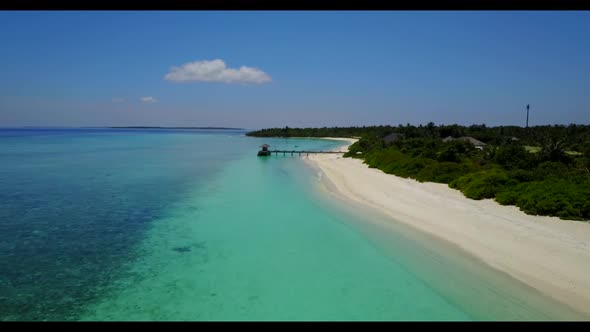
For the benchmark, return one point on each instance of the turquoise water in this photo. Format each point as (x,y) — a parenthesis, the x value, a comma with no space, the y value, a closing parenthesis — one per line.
(191,225)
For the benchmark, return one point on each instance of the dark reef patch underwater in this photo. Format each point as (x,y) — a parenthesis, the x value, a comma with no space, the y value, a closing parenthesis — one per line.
(75,203)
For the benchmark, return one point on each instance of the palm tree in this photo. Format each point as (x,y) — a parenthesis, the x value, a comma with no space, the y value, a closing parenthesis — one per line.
(554,150)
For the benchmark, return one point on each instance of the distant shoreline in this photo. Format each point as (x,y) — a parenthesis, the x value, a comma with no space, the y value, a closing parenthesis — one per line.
(156,127)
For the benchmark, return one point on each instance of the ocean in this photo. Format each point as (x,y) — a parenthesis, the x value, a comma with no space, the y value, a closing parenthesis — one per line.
(170,225)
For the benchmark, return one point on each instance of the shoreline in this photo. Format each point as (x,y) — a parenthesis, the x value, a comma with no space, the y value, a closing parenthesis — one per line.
(546,253)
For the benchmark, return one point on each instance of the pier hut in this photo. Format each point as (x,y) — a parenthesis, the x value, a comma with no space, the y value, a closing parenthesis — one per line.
(264,150)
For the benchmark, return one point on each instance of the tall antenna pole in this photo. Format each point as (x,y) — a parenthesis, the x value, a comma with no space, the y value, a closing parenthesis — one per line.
(527,115)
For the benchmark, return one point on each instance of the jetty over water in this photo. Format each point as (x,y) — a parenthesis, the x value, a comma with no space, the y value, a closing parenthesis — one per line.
(266,152)
(292,152)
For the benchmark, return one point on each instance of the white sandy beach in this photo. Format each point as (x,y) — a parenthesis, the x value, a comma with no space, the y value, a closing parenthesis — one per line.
(547,253)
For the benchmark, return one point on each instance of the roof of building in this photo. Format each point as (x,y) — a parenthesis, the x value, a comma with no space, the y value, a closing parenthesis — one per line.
(466,139)
(472,140)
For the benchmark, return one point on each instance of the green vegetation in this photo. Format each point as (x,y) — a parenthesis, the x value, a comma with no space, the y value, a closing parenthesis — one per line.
(535,149)
(532,149)
(543,170)
(319,132)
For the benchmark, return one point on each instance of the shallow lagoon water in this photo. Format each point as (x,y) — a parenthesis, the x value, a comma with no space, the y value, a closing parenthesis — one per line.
(191,225)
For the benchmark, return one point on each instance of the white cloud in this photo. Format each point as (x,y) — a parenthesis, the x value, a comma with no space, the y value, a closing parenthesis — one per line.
(216,71)
(148,99)
(118,100)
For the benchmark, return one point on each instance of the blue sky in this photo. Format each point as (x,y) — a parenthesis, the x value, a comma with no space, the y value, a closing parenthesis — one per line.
(309,68)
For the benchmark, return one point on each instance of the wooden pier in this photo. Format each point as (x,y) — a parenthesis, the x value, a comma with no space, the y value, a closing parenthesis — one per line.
(299,153)
(264,152)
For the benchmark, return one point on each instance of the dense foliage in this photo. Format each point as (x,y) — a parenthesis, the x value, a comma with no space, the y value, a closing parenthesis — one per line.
(544,170)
